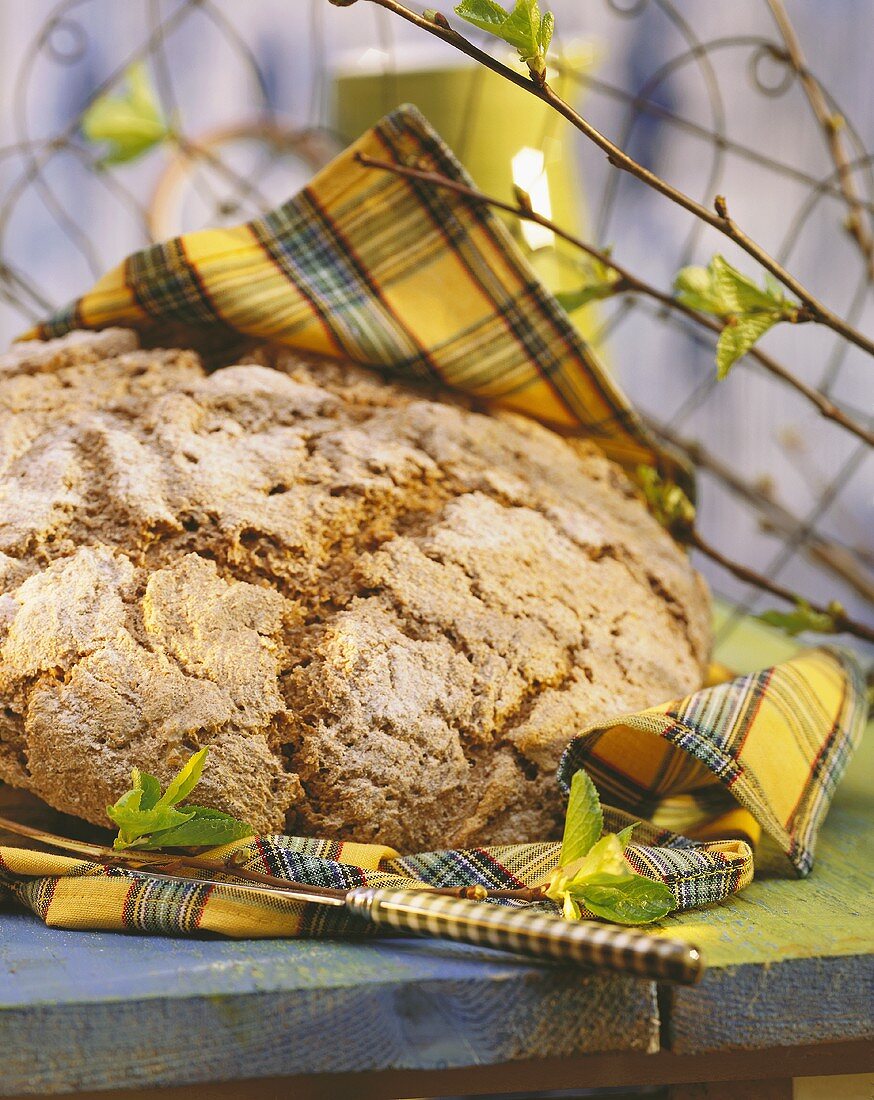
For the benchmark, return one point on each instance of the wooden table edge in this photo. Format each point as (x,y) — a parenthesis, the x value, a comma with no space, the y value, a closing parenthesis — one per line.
(583,1071)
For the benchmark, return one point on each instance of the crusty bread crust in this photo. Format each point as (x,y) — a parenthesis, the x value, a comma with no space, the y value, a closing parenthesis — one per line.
(384,613)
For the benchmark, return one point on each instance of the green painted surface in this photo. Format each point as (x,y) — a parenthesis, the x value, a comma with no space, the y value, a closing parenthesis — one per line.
(828,914)
(750,644)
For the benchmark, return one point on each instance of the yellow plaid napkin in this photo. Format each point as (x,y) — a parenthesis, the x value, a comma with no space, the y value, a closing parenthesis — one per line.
(418,281)
(76,893)
(389,273)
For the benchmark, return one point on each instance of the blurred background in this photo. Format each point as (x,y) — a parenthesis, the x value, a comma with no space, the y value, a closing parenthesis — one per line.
(260,95)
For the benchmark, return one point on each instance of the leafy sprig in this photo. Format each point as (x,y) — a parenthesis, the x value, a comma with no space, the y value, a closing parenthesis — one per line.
(803,618)
(131,123)
(667,502)
(147,819)
(594,874)
(601,281)
(523,28)
(748,310)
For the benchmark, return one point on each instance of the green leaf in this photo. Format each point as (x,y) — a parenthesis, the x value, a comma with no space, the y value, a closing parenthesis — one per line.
(738,337)
(571,300)
(636,900)
(667,501)
(739,294)
(584,820)
(601,282)
(485,14)
(803,618)
(624,836)
(147,820)
(185,780)
(606,858)
(210,828)
(150,787)
(570,910)
(725,292)
(205,811)
(604,862)
(129,803)
(547,29)
(694,287)
(747,309)
(595,873)
(134,823)
(130,124)
(522,28)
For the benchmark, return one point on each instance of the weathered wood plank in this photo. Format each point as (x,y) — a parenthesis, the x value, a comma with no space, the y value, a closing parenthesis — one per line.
(545,1074)
(773,1089)
(100,1010)
(774,1005)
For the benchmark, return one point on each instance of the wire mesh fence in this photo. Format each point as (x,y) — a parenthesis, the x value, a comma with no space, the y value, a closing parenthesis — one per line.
(716,106)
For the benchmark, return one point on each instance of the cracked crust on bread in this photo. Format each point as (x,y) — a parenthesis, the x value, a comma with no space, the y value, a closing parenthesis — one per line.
(384,613)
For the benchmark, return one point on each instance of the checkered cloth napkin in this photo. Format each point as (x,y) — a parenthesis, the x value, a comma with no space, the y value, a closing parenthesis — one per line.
(420,282)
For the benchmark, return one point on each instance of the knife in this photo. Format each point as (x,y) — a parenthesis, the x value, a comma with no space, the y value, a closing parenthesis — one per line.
(536,935)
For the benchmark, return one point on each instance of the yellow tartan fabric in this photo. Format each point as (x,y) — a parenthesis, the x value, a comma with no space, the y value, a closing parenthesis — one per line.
(774,743)
(421,282)
(385,271)
(75,893)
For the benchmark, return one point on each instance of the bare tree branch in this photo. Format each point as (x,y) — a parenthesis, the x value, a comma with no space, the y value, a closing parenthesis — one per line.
(856,224)
(718,218)
(628,282)
(167,863)
(840,560)
(843,622)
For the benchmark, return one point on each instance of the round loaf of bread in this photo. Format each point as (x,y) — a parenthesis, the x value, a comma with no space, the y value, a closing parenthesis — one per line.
(385,614)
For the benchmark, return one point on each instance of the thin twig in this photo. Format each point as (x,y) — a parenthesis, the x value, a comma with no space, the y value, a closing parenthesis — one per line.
(843,622)
(856,223)
(718,218)
(686,125)
(109,857)
(840,560)
(628,282)
(169,863)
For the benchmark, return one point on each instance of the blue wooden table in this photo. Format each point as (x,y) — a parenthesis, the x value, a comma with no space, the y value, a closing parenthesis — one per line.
(789,992)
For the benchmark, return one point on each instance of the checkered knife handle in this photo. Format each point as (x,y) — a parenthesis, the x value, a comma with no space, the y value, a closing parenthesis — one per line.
(587,943)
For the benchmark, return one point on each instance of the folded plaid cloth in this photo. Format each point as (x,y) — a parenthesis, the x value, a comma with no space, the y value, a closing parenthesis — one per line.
(417,281)
(72,893)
